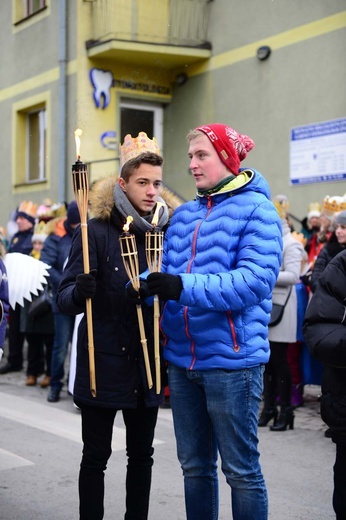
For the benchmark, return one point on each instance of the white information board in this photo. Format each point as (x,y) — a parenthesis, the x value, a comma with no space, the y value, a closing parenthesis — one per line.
(318,152)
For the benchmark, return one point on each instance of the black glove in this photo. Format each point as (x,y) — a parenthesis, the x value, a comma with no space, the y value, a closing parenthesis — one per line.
(166,286)
(136,297)
(85,286)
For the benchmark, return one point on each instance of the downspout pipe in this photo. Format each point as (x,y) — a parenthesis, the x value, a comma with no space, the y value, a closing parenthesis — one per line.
(62,118)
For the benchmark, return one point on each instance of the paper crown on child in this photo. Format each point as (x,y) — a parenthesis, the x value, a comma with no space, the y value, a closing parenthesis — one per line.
(134,146)
(39,234)
(332,205)
(282,205)
(314,210)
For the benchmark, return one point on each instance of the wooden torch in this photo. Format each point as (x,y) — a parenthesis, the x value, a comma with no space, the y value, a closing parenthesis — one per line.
(81,191)
(129,255)
(154,249)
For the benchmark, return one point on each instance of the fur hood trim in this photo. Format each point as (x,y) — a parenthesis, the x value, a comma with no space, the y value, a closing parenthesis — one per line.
(101,197)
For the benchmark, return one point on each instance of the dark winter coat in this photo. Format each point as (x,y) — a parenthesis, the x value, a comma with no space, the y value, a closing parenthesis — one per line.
(119,364)
(22,242)
(331,249)
(324,331)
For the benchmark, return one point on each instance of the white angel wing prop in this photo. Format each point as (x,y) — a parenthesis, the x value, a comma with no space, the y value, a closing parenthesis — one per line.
(26,277)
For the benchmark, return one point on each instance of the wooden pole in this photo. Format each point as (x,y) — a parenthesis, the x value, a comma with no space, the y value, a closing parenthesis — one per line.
(81,190)
(154,248)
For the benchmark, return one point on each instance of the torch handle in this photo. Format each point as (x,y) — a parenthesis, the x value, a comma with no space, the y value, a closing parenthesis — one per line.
(84,229)
(157,343)
(144,345)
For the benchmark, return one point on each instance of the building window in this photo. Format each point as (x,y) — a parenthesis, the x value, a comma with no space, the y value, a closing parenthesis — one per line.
(32,6)
(31,145)
(24,9)
(36,145)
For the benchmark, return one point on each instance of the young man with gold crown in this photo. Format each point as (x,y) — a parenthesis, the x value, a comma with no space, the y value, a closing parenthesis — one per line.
(121,382)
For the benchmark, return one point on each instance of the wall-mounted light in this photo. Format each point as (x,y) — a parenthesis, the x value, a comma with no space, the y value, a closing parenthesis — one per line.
(181,79)
(263,52)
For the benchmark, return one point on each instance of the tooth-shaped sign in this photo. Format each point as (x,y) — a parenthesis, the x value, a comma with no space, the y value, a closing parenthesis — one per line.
(102,81)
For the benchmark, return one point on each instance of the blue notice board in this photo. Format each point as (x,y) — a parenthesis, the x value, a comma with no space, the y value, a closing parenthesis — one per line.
(318,152)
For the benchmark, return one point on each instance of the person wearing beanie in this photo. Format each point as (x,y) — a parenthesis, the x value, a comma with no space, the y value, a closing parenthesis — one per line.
(120,374)
(55,251)
(73,217)
(336,243)
(311,223)
(222,256)
(20,243)
(39,331)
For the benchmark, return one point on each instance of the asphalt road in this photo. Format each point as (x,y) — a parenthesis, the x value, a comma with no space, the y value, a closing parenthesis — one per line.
(40,451)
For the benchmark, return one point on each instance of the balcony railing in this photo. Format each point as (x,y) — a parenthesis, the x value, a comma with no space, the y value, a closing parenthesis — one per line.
(168,22)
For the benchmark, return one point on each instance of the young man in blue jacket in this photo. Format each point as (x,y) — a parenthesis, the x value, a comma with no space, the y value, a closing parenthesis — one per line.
(222,256)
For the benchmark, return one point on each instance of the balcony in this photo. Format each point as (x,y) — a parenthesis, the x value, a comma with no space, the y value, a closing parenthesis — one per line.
(157,33)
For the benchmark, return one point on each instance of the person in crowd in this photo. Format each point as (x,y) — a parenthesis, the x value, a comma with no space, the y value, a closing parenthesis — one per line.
(335,244)
(325,334)
(39,331)
(330,207)
(55,252)
(20,243)
(295,349)
(4,300)
(222,255)
(311,224)
(121,382)
(4,242)
(277,374)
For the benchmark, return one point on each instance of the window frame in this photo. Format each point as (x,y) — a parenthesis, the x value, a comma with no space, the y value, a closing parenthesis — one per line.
(20,151)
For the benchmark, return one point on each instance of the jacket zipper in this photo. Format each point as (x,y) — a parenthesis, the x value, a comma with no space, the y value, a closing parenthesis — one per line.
(236,347)
(194,242)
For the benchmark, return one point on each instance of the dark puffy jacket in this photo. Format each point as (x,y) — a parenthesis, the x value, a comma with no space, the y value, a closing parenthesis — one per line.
(325,335)
(331,249)
(22,242)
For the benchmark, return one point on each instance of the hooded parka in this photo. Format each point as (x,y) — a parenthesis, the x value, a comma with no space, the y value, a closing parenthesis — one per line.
(119,363)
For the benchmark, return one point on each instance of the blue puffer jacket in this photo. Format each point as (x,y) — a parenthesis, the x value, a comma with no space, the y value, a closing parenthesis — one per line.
(227,248)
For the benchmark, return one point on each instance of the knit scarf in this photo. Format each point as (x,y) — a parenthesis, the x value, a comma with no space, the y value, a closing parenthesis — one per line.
(143,224)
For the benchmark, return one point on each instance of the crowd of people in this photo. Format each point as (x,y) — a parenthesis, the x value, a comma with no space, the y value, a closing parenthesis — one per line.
(230,258)
(43,232)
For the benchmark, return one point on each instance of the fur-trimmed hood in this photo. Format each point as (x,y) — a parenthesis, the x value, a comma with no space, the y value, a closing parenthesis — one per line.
(101,198)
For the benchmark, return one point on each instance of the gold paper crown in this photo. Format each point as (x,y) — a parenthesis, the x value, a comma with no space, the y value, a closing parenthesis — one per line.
(333,205)
(29,208)
(314,206)
(40,228)
(282,205)
(134,146)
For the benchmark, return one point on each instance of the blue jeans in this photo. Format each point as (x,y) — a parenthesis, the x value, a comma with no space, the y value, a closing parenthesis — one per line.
(63,325)
(217,411)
